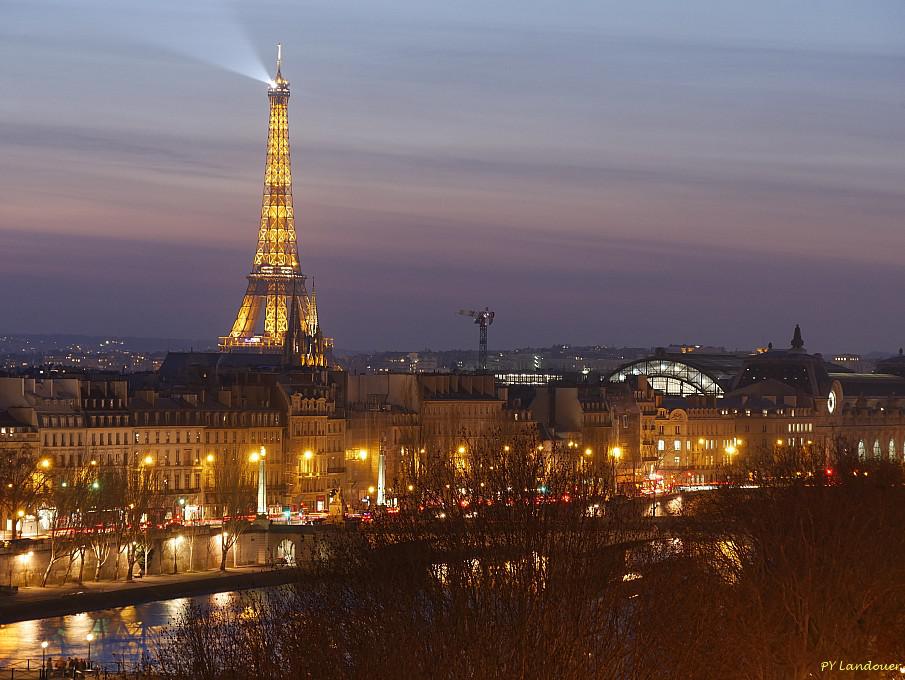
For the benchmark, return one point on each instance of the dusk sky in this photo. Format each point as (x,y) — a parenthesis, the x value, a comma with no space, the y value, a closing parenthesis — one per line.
(597,172)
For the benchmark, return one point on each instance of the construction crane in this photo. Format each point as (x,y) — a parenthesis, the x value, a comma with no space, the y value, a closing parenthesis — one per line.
(483,318)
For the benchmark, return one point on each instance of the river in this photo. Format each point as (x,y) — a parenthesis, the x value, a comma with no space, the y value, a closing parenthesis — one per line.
(121,636)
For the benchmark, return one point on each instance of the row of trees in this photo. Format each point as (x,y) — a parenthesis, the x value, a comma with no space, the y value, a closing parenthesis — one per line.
(521,565)
(111,512)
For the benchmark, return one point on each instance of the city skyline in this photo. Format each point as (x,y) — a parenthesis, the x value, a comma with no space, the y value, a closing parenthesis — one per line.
(602,178)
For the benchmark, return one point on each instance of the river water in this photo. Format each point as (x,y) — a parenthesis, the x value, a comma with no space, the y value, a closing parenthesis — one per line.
(121,636)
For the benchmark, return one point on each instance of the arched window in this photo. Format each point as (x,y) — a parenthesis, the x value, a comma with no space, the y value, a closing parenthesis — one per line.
(877,452)
(862,452)
(892,449)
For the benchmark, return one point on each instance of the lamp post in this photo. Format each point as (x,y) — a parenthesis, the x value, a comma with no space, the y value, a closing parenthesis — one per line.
(26,558)
(44,659)
(209,459)
(615,455)
(260,457)
(89,638)
(176,541)
(146,463)
(731,450)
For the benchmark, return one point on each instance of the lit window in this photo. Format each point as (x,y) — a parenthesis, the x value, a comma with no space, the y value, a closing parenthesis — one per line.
(661,445)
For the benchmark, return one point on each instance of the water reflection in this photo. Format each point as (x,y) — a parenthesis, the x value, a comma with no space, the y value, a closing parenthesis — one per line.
(121,636)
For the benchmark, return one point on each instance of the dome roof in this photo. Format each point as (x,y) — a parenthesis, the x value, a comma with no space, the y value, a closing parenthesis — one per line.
(793,367)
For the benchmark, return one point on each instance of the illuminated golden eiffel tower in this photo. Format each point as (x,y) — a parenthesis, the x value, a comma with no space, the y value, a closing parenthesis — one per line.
(276,291)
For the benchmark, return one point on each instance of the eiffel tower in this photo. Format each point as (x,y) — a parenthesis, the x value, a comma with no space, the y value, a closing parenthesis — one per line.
(276,294)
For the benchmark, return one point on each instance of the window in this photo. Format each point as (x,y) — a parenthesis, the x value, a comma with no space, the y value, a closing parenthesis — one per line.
(677,445)
(677,460)
(661,445)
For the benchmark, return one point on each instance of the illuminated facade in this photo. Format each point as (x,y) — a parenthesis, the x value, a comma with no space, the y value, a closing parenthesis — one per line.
(75,424)
(711,415)
(278,314)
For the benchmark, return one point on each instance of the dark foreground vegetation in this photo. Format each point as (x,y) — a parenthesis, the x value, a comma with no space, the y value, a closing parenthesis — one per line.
(518,565)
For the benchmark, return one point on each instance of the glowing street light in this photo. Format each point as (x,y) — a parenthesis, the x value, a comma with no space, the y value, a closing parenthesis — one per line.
(308,455)
(176,541)
(45,463)
(89,638)
(615,455)
(362,454)
(589,451)
(148,460)
(259,457)
(209,459)
(731,450)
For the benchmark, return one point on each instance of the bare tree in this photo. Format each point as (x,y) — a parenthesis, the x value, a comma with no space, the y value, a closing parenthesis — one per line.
(497,564)
(63,504)
(108,495)
(513,561)
(779,579)
(234,495)
(24,481)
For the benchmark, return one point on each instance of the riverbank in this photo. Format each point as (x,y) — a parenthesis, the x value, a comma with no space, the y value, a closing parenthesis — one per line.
(33,603)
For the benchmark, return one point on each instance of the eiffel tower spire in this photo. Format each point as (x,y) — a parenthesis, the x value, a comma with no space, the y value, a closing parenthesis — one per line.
(276,282)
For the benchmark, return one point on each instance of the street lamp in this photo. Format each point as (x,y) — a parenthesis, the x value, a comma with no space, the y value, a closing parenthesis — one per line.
(176,541)
(260,457)
(146,462)
(89,638)
(25,558)
(615,455)
(208,459)
(44,659)
(730,451)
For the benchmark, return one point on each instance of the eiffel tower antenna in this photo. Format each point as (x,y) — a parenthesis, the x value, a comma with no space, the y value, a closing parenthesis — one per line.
(276,281)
